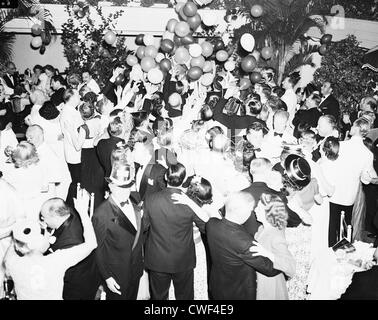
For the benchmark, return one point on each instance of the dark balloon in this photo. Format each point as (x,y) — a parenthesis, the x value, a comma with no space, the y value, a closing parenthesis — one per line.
(42,50)
(190,9)
(177,41)
(165,65)
(167,45)
(248,63)
(182,15)
(219,45)
(195,73)
(140,52)
(187,39)
(46,39)
(139,39)
(194,22)
(255,77)
(327,38)
(323,49)
(119,80)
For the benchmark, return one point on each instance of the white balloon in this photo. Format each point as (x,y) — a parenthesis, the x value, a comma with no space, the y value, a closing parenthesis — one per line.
(230,65)
(247,41)
(207,79)
(209,18)
(168,35)
(195,50)
(155,76)
(149,40)
(160,56)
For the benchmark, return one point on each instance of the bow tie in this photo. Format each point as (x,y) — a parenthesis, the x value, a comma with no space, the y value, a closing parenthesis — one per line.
(123,203)
(278,134)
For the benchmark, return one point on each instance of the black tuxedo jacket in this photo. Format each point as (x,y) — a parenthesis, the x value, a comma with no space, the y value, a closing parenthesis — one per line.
(330,106)
(82,280)
(152,180)
(119,246)
(309,117)
(169,244)
(9,82)
(256,189)
(104,152)
(363,287)
(233,270)
(57,97)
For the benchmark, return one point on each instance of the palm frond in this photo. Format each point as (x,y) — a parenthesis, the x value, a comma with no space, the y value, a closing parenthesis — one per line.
(7,40)
(304,57)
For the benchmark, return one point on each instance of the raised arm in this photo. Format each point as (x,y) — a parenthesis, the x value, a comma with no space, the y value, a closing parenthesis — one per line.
(75,254)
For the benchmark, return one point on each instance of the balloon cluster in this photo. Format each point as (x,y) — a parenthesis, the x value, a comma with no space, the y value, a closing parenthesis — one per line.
(41,38)
(325,41)
(179,47)
(80,8)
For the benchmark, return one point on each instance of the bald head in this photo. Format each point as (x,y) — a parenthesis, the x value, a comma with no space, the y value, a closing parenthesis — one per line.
(38,97)
(54,212)
(35,135)
(239,207)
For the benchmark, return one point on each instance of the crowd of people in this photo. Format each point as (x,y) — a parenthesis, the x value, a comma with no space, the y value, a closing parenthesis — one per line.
(101,188)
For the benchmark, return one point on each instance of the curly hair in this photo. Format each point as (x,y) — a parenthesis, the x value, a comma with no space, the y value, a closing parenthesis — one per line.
(275,210)
(24,155)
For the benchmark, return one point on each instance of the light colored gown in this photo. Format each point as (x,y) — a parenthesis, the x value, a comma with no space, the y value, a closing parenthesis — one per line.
(274,288)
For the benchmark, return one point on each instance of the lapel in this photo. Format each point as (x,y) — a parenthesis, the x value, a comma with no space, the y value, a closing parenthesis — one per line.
(9,81)
(120,218)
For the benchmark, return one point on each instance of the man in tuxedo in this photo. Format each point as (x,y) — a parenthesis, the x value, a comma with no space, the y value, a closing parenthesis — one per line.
(80,281)
(119,232)
(329,104)
(261,169)
(57,84)
(233,271)
(10,78)
(169,250)
(105,147)
(149,177)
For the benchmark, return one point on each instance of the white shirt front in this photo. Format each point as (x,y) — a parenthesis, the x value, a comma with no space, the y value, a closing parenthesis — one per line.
(128,211)
(355,164)
(71,116)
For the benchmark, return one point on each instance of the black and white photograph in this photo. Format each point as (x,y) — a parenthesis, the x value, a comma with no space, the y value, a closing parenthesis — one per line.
(204,151)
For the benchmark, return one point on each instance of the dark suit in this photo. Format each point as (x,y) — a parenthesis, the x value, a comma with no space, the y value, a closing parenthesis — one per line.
(169,249)
(10,81)
(152,180)
(119,251)
(310,117)
(364,286)
(330,106)
(256,189)
(104,152)
(233,272)
(57,97)
(82,280)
